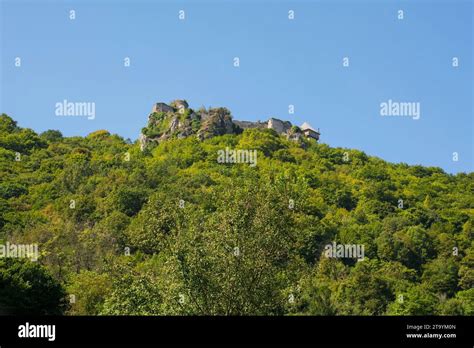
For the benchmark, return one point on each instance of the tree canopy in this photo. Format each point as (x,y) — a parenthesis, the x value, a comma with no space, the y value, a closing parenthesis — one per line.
(171,231)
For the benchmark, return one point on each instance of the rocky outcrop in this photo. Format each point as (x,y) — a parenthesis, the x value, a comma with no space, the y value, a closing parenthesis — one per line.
(167,121)
(217,122)
(177,120)
(179,105)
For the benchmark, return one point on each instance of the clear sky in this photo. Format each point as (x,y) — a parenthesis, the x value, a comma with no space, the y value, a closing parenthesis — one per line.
(282,62)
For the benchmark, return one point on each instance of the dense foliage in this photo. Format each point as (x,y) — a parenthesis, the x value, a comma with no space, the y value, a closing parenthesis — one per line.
(172,231)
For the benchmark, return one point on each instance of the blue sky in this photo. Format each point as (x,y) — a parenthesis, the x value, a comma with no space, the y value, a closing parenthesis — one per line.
(282,62)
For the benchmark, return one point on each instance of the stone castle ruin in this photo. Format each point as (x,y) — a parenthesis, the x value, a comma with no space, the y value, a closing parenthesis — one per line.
(283,127)
(178,120)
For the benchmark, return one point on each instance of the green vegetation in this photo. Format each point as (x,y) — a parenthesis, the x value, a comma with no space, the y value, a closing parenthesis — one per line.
(26,288)
(171,231)
(158,124)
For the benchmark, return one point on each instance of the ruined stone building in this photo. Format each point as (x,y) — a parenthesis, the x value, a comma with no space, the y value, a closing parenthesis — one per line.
(309,132)
(165,122)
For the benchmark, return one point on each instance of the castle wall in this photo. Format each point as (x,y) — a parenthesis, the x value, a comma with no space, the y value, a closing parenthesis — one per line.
(249,124)
(161,107)
(278,125)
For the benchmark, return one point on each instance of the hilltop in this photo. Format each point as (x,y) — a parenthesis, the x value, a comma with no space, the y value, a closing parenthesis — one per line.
(171,230)
(177,120)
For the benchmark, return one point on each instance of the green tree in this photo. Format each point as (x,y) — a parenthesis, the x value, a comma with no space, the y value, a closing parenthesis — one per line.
(26,288)
(441,276)
(89,291)
(418,300)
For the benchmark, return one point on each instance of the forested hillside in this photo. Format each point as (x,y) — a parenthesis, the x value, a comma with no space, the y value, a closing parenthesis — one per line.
(170,230)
